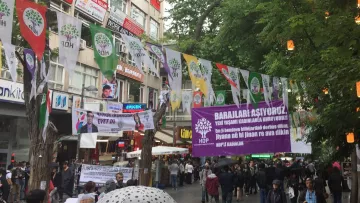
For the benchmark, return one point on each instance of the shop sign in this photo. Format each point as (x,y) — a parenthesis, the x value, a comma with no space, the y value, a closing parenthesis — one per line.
(113,107)
(69,1)
(121,19)
(156,4)
(95,8)
(133,107)
(60,101)
(11,92)
(130,71)
(184,133)
(111,24)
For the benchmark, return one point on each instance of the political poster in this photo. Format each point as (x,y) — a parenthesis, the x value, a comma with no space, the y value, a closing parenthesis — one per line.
(101,174)
(110,89)
(92,122)
(232,130)
(114,107)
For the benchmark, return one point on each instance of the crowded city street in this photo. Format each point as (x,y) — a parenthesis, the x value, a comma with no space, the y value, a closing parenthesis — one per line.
(179,101)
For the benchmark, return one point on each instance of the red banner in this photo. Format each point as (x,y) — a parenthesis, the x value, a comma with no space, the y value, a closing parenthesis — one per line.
(197,99)
(32,24)
(156,4)
(225,71)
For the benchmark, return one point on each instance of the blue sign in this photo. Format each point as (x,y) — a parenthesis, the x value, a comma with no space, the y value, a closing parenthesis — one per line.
(133,107)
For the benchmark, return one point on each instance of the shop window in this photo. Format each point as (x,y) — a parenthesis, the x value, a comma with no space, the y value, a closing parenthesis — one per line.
(119,46)
(56,74)
(154,29)
(138,15)
(152,98)
(60,6)
(134,92)
(118,6)
(84,75)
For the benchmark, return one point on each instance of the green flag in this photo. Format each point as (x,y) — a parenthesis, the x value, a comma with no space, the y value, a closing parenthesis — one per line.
(104,50)
(220,98)
(254,85)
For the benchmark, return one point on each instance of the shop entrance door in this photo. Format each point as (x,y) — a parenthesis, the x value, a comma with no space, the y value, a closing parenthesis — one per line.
(3,159)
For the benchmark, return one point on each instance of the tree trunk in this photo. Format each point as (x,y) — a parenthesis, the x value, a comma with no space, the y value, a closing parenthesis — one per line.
(354,178)
(40,152)
(147,143)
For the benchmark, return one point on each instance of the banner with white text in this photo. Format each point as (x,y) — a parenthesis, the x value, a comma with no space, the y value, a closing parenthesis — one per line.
(101,174)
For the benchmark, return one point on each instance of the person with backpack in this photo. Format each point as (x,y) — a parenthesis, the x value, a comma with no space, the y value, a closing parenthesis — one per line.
(17,177)
(261,181)
(276,195)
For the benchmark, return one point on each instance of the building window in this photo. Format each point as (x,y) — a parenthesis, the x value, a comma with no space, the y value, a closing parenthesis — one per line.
(156,63)
(56,74)
(5,72)
(84,75)
(119,45)
(154,29)
(138,15)
(152,98)
(118,6)
(135,92)
(131,61)
(85,28)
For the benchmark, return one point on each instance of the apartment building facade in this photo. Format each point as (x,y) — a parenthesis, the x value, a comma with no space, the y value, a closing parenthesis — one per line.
(132,17)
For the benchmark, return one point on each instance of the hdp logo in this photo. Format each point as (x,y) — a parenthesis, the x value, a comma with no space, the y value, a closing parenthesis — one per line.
(255,85)
(175,66)
(4,11)
(220,99)
(195,69)
(30,60)
(34,21)
(158,53)
(203,127)
(103,44)
(70,32)
(137,48)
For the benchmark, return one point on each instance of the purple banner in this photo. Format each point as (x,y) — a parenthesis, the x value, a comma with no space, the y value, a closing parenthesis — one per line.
(29,58)
(157,50)
(229,130)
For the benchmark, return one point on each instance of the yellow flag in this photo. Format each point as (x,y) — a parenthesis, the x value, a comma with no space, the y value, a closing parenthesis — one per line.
(0,56)
(175,99)
(195,73)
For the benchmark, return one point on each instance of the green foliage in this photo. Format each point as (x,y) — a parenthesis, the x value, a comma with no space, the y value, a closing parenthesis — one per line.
(253,34)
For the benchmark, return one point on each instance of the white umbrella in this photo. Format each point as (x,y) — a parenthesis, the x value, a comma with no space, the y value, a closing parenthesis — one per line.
(159,150)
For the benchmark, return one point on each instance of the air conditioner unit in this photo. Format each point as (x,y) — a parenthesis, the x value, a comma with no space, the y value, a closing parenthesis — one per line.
(82,44)
(123,48)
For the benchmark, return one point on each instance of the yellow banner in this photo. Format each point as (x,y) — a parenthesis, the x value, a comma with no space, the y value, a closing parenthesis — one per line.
(195,73)
(175,99)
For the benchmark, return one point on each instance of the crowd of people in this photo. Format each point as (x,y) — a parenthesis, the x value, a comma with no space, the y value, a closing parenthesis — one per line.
(276,182)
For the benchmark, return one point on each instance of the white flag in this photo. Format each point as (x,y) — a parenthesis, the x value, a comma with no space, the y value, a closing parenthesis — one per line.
(187,100)
(206,68)
(234,75)
(138,53)
(43,76)
(266,87)
(173,59)
(245,75)
(6,20)
(11,60)
(246,95)
(69,41)
(284,83)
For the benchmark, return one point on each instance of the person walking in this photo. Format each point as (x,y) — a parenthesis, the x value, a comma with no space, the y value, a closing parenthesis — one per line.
(4,185)
(212,186)
(67,181)
(294,186)
(226,180)
(276,195)
(335,185)
(252,183)
(261,181)
(17,176)
(309,195)
(182,174)
(189,170)
(203,177)
(239,183)
(174,170)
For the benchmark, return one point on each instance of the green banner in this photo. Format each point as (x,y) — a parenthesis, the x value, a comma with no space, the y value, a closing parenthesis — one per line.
(220,98)
(104,50)
(255,88)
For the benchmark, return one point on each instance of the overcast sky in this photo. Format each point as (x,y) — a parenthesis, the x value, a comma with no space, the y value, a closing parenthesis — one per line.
(167,23)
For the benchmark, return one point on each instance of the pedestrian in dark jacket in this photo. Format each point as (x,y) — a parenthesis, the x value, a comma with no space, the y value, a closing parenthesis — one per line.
(4,185)
(212,186)
(67,183)
(261,181)
(309,195)
(227,185)
(294,184)
(239,183)
(276,195)
(335,186)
